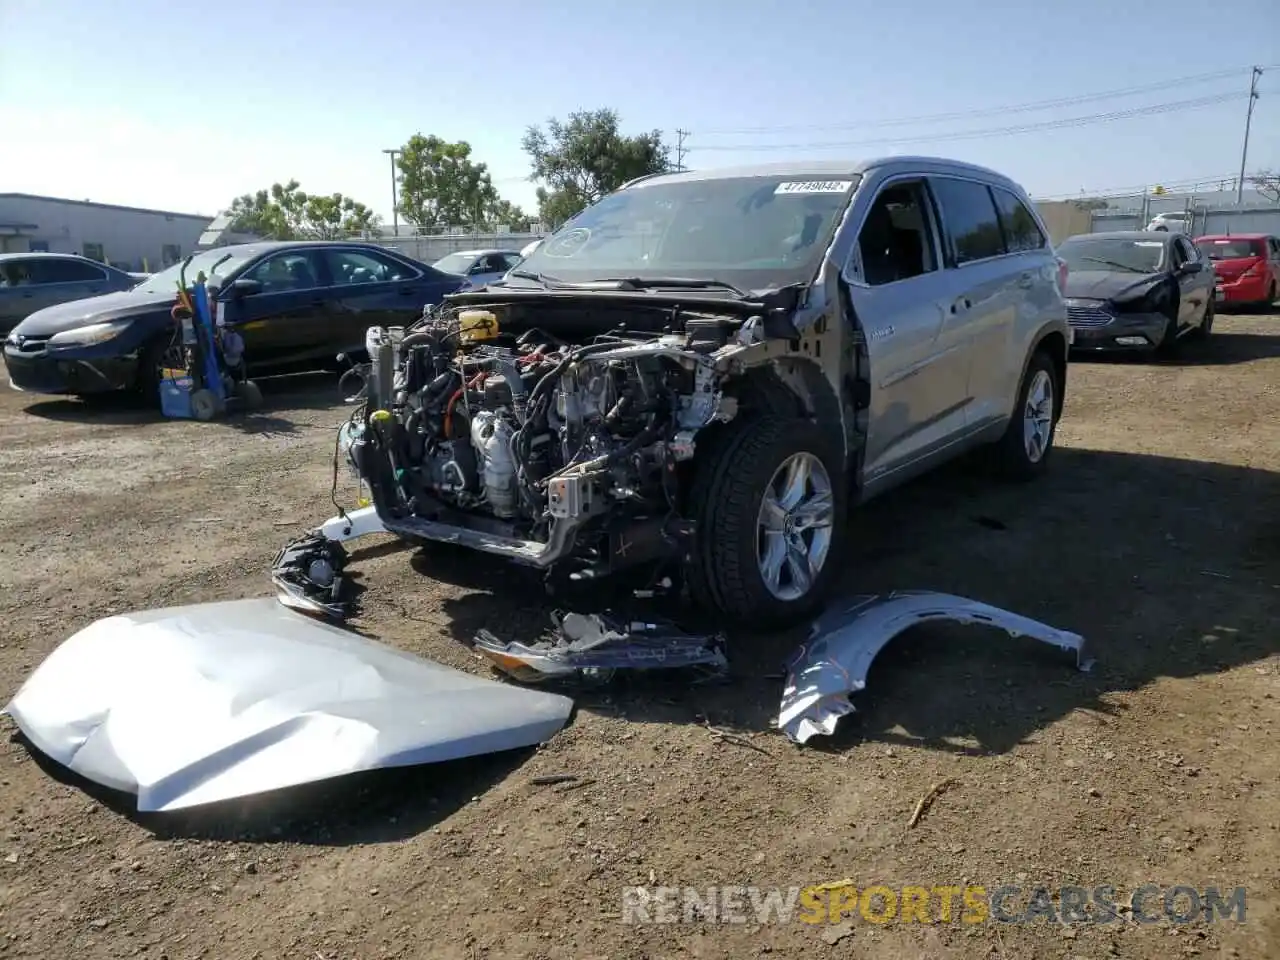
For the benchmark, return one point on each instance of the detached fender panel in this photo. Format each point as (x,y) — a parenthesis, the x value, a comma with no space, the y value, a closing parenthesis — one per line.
(833,662)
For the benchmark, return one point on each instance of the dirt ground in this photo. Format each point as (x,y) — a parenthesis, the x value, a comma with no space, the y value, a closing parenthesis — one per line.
(1157,536)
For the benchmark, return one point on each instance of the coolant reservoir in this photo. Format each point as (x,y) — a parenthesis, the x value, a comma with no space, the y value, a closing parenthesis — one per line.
(475,325)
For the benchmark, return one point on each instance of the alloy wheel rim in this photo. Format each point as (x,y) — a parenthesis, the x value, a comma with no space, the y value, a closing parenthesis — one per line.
(1037,416)
(794,526)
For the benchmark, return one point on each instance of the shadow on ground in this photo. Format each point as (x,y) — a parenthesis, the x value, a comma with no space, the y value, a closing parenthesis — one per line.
(377,806)
(1168,567)
(1221,350)
(304,391)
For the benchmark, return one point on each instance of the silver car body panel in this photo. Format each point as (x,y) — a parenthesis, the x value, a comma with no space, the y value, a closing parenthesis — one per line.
(192,705)
(946,350)
(833,662)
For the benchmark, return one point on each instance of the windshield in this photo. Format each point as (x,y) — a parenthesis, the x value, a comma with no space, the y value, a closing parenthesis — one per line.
(1230,249)
(458,263)
(751,232)
(1110,254)
(166,281)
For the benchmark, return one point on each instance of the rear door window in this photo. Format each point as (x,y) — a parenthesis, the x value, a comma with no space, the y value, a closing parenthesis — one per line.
(970,219)
(57,270)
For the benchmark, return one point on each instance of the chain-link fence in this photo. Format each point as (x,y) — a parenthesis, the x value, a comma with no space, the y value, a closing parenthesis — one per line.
(429,248)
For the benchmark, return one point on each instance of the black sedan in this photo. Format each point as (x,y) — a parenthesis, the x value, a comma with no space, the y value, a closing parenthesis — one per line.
(1136,291)
(296,304)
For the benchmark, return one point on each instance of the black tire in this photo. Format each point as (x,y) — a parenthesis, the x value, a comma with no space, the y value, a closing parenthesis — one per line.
(249,394)
(205,405)
(1170,341)
(1202,332)
(1013,460)
(729,485)
(150,359)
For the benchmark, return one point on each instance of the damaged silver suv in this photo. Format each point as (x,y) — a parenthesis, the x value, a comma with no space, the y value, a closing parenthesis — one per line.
(710,368)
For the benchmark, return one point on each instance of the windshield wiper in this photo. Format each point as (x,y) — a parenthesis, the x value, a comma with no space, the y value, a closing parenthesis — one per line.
(681,283)
(540,278)
(1112,263)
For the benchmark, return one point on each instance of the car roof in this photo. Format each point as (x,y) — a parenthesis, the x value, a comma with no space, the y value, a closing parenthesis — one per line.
(1234,236)
(480,253)
(823,168)
(1148,235)
(263,246)
(27,254)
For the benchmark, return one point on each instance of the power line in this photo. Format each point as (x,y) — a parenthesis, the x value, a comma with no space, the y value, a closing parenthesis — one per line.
(1172,185)
(991,111)
(1062,123)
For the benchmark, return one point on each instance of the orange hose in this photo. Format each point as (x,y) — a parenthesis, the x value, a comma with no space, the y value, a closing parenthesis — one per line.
(453,400)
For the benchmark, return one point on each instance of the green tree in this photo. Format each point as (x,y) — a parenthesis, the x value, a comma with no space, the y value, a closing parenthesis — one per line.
(505,212)
(586,157)
(286,212)
(440,185)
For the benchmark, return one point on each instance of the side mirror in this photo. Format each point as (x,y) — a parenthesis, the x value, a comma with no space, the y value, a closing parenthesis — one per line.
(245,288)
(1190,267)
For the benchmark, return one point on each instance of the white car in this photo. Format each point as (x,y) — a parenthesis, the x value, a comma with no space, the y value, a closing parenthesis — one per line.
(480,267)
(1170,223)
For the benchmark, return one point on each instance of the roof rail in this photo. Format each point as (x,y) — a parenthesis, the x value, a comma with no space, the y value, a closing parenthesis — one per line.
(647,176)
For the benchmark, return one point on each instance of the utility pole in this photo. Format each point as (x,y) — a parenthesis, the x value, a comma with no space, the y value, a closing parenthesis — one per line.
(395,202)
(1248,118)
(680,151)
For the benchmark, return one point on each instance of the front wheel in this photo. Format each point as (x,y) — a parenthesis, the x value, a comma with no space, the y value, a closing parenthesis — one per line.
(1206,325)
(1023,452)
(769,502)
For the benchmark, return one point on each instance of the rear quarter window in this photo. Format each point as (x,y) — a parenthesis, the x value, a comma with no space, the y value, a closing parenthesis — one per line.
(1021,232)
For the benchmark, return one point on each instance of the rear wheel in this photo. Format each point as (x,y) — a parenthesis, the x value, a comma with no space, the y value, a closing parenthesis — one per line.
(1023,452)
(769,504)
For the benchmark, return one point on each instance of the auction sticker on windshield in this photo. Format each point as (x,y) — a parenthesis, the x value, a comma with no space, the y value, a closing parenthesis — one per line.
(814,186)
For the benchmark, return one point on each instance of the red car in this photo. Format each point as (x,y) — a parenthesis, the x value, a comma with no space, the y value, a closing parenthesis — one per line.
(1247,267)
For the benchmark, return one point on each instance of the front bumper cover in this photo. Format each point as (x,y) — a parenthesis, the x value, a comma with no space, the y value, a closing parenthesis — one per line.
(1103,337)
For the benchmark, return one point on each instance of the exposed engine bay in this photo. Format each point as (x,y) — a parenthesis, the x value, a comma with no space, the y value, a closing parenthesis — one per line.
(483,429)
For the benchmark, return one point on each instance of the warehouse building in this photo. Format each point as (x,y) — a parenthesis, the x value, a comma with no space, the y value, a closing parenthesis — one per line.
(127,237)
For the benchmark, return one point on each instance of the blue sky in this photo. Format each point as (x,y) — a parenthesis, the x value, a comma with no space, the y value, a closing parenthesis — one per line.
(183,106)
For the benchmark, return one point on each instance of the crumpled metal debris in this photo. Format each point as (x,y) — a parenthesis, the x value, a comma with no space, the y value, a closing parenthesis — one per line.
(833,662)
(596,645)
(308,573)
(191,705)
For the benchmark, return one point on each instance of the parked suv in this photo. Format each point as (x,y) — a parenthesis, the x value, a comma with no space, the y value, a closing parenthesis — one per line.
(709,367)
(1247,266)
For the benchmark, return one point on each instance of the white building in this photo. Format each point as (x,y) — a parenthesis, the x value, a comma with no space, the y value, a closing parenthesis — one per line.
(128,237)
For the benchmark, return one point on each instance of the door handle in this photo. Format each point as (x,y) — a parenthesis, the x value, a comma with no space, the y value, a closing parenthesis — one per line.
(962,304)
(318,302)
(1025,281)
(405,291)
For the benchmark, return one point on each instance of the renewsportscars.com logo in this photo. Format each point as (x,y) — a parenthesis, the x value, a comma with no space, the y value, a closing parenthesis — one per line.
(843,900)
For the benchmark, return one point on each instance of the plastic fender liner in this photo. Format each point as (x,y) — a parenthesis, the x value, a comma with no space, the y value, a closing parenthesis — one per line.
(844,640)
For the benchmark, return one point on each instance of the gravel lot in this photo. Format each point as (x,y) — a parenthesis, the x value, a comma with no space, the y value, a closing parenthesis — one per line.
(1157,536)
